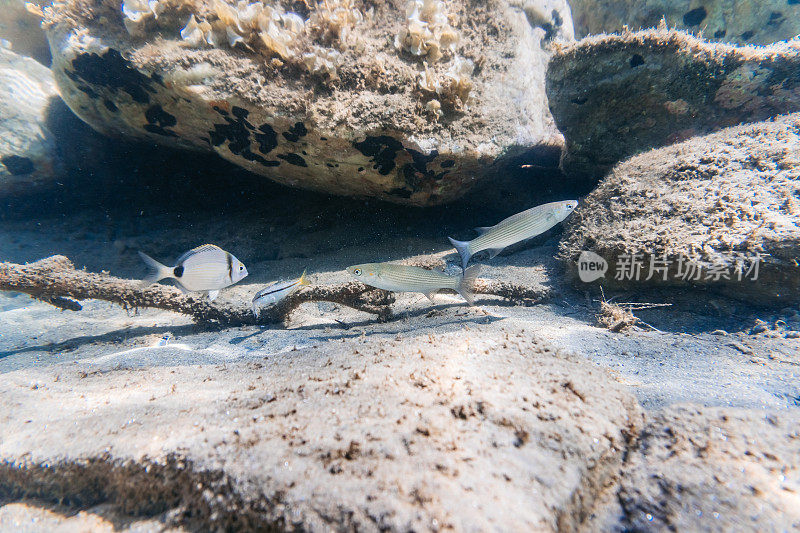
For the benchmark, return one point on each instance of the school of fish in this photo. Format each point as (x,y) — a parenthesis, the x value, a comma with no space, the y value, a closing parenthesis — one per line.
(208,268)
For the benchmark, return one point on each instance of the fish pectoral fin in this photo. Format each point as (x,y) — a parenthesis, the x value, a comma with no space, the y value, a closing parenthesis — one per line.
(431,294)
(491,253)
(212,295)
(483,229)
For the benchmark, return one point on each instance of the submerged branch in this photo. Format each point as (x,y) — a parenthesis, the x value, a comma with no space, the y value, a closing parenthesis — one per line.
(55,280)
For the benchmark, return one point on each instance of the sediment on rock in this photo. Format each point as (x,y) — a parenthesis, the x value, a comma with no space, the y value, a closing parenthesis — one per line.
(613,96)
(381,119)
(718,212)
(417,433)
(735,21)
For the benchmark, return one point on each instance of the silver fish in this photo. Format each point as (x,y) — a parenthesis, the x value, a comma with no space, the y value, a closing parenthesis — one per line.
(207,268)
(402,278)
(514,229)
(277,292)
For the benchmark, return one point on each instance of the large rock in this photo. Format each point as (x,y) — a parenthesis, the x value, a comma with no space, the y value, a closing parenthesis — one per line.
(615,95)
(726,198)
(486,431)
(27,148)
(736,21)
(714,469)
(360,98)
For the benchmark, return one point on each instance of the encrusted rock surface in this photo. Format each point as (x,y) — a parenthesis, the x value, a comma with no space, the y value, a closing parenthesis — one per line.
(713,200)
(736,21)
(613,96)
(487,431)
(363,116)
(714,469)
(27,148)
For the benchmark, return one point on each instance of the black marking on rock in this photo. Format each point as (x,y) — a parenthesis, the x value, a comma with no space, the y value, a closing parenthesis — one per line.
(748,35)
(323,138)
(293,159)
(113,72)
(448,163)
(242,114)
(17,165)
(295,132)
(557,20)
(580,100)
(382,149)
(636,61)
(418,172)
(329,165)
(267,140)
(775,18)
(235,132)
(695,16)
(178,271)
(159,120)
(219,110)
(719,34)
(111,106)
(156,115)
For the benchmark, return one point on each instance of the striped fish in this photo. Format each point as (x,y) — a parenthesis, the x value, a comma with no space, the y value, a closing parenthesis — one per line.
(402,278)
(277,292)
(514,229)
(207,268)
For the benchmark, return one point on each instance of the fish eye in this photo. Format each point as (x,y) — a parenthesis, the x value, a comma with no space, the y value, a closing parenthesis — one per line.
(241,267)
(357,272)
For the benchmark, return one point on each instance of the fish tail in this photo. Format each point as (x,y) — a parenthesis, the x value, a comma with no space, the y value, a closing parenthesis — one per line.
(303,279)
(159,271)
(466,286)
(463,250)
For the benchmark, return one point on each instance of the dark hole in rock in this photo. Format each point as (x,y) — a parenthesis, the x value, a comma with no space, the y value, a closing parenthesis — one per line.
(449,163)
(579,100)
(636,61)
(17,165)
(775,18)
(111,106)
(695,16)
(748,35)
(719,34)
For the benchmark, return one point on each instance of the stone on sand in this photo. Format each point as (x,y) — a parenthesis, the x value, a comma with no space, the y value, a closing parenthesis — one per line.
(728,196)
(483,429)
(613,96)
(378,121)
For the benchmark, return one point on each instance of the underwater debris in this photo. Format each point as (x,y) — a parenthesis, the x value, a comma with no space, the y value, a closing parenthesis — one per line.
(427,31)
(55,280)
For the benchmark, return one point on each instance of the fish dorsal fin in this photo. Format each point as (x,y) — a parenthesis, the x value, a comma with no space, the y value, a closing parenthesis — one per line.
(199,249)
(303,279)
(483,229)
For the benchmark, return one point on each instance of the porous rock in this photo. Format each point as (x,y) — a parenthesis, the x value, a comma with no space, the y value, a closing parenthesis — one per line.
(613,96)
(364,116)
(713,469)
(735,21)
(728,200)
(27,147)
(491,431)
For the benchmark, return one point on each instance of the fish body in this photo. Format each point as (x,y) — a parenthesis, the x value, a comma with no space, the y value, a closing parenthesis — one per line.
(516,228)
(402,278)
(207,268)
(277,292)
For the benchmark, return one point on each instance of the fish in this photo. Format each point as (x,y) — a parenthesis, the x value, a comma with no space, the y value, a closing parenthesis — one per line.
(516,228)
(277,292)
(402,278)
(207,268)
